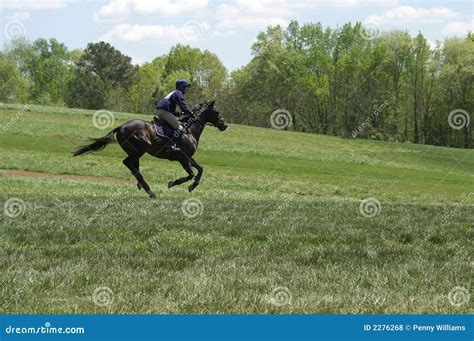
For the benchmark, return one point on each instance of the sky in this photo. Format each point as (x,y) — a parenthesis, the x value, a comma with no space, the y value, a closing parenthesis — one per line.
(145,29)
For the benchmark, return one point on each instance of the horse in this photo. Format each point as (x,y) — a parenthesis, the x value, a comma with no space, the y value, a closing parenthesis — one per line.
(137,137)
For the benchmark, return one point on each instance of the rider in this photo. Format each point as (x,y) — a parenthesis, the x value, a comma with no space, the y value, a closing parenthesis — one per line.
(166,108)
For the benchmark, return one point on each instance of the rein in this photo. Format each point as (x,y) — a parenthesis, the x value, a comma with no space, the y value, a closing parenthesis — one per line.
(197,118)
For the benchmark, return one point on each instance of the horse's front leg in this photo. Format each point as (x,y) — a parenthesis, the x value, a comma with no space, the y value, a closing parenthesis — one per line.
(187,167)
(198,176)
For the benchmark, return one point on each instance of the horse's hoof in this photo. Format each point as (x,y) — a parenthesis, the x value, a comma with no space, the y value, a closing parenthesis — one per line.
(152,195)
(139,185)
(170,184)
(192,187)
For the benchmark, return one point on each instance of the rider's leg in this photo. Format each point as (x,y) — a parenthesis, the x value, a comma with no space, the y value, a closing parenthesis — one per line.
(172,120)
(169,118)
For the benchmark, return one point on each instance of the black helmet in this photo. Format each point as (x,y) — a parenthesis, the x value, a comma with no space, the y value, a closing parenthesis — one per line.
(182,83)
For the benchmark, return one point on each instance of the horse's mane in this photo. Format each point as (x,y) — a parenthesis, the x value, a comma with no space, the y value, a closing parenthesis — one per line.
(194,109)
(198,106)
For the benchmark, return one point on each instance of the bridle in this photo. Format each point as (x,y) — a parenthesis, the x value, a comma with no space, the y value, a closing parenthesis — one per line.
(197,119)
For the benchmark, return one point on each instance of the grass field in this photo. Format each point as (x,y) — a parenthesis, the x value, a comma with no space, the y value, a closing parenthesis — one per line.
(276,225)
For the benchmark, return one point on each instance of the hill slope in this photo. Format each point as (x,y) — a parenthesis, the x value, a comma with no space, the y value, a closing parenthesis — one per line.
(278,216)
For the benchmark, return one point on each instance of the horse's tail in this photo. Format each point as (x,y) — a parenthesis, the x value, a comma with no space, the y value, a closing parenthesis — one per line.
(98,144)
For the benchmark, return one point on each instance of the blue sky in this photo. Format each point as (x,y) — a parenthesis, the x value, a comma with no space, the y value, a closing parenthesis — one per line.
(145,29)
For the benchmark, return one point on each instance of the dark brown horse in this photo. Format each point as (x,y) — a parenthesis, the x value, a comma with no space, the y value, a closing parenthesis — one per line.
(138,137)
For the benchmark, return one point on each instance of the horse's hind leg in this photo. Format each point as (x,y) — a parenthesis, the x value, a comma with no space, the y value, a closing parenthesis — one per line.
(187,167)
(137,166)
(133,163)
(198,176)
(135,147)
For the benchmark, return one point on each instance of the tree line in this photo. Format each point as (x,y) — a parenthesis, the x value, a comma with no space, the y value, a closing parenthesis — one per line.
(346,81)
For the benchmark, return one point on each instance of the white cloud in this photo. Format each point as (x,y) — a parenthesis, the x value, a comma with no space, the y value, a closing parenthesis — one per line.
(117,10)
(32,5)
(253,14)
(405,14)
(162,33)
(358,3)
(242,14)
(459,28)
(226,33)
(139,60)
(169,8)
(141,32)
(19,16)
(305,5)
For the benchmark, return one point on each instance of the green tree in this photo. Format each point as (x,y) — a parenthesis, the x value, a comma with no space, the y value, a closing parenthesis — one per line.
(456,80)
(49,71)
(102,78)
(13,87)
(417,73)
(203,68)
(113,67)
(148,86)
(45,64)
(86,90)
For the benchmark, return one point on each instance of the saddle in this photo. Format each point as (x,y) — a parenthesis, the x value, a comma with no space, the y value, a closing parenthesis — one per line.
(163,129)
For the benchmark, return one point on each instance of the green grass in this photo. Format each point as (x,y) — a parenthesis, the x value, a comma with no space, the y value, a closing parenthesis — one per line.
(279,209)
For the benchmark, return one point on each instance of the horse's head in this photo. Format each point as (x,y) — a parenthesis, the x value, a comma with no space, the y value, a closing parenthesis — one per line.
(208,113)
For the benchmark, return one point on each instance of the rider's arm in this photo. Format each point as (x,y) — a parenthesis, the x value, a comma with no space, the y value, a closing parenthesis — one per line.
(182,103)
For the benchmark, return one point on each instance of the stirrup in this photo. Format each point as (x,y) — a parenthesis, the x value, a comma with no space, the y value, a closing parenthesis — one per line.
(172,148)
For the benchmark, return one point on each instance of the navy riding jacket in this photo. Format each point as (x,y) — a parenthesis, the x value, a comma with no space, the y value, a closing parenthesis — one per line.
(171,100)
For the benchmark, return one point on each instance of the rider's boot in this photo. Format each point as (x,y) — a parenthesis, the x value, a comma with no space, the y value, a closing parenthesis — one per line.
(178,134)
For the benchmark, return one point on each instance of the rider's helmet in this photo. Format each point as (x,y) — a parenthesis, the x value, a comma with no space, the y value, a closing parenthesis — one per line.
(181,84)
